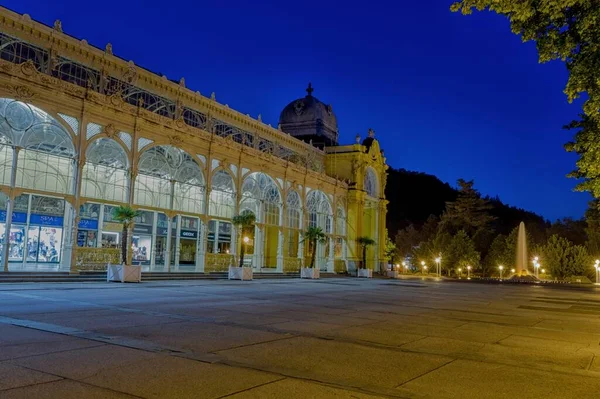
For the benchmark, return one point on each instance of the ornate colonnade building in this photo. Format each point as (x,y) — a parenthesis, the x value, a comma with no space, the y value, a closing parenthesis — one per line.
(83,131)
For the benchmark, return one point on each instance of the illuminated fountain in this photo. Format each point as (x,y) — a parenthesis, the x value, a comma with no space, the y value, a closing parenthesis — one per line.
(521,272)
(521,263)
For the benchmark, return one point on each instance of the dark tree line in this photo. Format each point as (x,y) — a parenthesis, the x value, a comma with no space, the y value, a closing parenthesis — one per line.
(429,219)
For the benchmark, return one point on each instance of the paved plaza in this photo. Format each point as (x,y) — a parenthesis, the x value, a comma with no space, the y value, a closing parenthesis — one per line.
(338,338)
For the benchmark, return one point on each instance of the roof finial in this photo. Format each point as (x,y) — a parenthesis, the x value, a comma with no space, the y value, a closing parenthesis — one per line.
(309,89)
(371,133)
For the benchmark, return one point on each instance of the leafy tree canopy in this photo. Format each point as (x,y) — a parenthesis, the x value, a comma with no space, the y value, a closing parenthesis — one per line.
(469,212)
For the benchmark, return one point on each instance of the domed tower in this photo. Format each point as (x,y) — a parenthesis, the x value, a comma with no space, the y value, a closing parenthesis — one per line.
(310,120)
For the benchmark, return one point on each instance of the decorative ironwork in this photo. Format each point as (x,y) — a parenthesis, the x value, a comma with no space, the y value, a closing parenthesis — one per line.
(92,130)
(319,210)
(291,265)
(76,73)
(72,122)
(194,118)
(143,142)
(96,258)
(339,266)
(260,192)
(126,139)
(218,262)
(17,51)
(222,195)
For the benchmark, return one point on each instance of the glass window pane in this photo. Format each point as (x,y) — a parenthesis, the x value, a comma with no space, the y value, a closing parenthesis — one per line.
(50,240)
(33,244)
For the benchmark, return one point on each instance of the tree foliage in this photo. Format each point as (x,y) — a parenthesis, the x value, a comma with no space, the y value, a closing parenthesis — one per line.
(469,212)
(390,251)
(563,259)
(314,235)
(592,229)
(406,239)
(461,252)
(125,215)
(498,254)
(364,242)
(245,223)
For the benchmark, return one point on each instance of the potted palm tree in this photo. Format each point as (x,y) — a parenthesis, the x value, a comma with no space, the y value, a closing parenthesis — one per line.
(391,252)
(245,223)
(125,272)
(314,236)
(364,243)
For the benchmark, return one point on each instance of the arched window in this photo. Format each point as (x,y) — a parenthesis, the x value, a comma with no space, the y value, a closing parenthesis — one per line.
(222,195)
(370,184)
(294,209)
(46,160)
(167,173)
(105,171)
(260,196)
(319,210)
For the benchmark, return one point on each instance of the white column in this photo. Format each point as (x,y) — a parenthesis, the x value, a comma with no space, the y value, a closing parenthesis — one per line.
(9,209)
(300,239)
(69,239)
(168,249)
(153,240)
(280,239)
(29,200)
(201,250)
(177,241)
(258,244)
(330,264)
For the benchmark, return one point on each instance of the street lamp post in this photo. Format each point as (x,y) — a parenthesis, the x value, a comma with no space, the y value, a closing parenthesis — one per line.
(597,267)
(468,272)
(459,272)
(438,261)
(405,266)
(501,269)
(424,266)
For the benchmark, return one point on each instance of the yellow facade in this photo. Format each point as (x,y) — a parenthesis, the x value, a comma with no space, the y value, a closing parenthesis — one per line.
(96,97)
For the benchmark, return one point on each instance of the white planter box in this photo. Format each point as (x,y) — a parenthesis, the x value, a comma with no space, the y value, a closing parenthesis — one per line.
(240,273)
(124,274)
(308,272)
(367,273)
(393,274)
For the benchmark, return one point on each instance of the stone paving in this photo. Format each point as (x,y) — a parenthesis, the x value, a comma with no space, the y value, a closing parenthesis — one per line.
(332,338)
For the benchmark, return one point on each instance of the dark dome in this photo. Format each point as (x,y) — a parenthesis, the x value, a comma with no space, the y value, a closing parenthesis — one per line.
(308,118)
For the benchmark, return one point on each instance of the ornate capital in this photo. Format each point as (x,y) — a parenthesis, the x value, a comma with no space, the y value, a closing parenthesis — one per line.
(110,130)
(22,93)
(176,140)
(28,68)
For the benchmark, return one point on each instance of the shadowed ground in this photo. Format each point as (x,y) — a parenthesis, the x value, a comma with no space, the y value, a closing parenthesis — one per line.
(340,338)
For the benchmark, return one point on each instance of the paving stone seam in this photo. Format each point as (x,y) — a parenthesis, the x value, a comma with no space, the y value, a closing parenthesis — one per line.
(425,373)
(61,378)
(50,353)
(251,388)
(378,391)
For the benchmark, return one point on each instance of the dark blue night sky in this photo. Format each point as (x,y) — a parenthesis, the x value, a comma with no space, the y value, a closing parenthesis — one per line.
(448,95)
